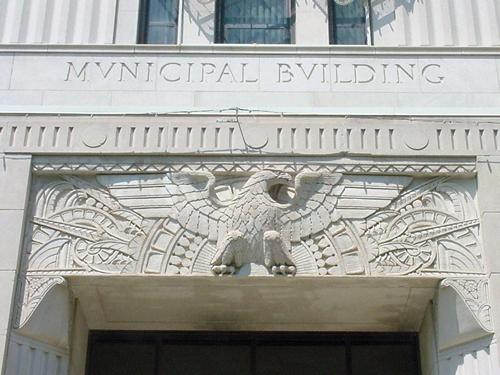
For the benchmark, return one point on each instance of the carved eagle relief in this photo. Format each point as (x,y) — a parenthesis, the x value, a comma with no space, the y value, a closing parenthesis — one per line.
(268,222)
(271,211)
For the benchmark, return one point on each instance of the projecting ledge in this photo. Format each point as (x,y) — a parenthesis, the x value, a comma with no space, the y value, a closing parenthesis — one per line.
(254,303)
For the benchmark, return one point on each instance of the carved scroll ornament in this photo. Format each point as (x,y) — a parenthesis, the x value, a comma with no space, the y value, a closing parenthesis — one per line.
(267,223)
(475,294)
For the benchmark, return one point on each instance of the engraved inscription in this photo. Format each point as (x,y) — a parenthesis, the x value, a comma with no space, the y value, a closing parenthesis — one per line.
(240,72)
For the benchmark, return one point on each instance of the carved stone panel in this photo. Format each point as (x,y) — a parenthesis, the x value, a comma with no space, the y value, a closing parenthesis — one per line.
(266,223)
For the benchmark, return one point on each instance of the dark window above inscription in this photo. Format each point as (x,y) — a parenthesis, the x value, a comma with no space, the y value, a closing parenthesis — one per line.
(349,20)
(159,21)
(255,21)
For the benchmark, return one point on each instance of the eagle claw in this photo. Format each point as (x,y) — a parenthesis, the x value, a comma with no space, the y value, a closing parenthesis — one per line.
(223,269)
(283,270)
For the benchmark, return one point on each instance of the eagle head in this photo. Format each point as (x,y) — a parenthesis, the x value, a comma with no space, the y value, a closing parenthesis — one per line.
(275,183)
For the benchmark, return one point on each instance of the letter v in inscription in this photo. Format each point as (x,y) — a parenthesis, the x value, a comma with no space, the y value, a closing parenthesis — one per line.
(307,75)
(105,74)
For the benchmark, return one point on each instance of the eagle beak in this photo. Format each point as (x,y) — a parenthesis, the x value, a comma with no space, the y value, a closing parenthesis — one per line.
(285,178)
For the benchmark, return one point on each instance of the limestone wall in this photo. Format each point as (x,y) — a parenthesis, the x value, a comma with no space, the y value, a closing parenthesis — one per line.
(393,22)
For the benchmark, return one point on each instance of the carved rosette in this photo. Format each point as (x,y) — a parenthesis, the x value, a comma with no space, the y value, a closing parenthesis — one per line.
(475,293)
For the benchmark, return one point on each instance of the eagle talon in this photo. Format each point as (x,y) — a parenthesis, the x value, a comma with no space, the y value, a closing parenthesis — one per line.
(283,270)
(223,270)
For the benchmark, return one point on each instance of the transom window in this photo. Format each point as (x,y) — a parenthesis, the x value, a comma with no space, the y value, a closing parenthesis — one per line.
(159,19)
(349,21)
(255,21)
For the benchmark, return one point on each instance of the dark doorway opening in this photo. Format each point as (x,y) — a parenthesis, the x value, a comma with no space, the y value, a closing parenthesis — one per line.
(251,353)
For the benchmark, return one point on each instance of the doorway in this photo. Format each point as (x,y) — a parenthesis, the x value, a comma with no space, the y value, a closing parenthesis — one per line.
(216,353)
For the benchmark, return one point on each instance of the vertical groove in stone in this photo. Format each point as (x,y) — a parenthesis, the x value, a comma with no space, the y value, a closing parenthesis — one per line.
(174,137)
(434,16)
(131,140)
(24,16)
(4,6)
(160,137)
(477,22)
(231,138)
(496,21)
(48,21)
(407,29)
(15,17)
(216,137)
(453,26)
(96,10)
(80,17)
(70,31)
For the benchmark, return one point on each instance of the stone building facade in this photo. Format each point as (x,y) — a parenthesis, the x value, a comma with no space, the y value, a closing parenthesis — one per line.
(214,181)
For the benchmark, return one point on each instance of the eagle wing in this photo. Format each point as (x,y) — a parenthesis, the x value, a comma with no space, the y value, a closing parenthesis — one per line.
(322,199)
(184,196)
(194,205)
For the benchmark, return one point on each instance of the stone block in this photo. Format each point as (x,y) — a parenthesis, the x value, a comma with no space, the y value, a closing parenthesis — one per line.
(198,22)
(427,343)
(311,22)
(129,5)
(418,84)
(456,325)
(494,285)
(488,181)
(7,281)
(126,27)
(11,232)
(490,227)
(14,180)
(20,97)
(143,99)
(5,69)
(3,351)
(84,98)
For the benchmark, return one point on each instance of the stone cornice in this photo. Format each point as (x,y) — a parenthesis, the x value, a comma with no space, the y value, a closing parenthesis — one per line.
(229,49)
(249,135)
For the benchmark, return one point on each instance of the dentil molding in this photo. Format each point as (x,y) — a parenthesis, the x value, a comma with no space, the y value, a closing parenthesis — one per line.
(231,133)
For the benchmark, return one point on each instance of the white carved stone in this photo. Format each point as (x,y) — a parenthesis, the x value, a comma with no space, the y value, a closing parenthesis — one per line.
(267,79)
(269,222)
(241,164)
(475,293)
(237,132)
(29,356)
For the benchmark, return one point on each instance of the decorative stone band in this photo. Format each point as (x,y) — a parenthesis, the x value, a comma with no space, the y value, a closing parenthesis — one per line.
(246,164)
(474,292)
(262,135)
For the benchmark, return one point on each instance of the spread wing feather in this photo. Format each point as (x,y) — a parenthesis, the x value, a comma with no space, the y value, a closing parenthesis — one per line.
(143,194)
(313,207)
(195,209)
(362,196)
(185,196)
(321,199)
